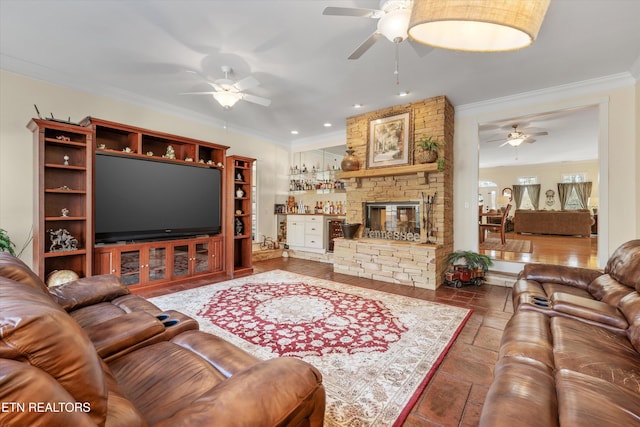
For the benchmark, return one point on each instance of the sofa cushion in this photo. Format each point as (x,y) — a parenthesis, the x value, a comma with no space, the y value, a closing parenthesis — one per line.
(13,268)
(527,337)
(88,291)
(164,378)
(520,394)
(607,289)
(624,264)
(590,401)
(36,330)
(26,385)
(596,352)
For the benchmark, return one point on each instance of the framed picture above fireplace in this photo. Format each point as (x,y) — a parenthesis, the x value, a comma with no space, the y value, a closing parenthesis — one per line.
(389,141)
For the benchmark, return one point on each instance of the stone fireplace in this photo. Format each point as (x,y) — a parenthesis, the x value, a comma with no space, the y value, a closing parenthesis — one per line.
(390,203)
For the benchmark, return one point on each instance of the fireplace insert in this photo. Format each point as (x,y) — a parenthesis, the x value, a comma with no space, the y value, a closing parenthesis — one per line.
(392,220)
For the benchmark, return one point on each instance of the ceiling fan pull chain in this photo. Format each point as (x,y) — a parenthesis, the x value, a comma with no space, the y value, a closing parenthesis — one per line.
(397,71)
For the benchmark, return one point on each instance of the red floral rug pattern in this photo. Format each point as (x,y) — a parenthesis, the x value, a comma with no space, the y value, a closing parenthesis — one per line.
(296,319)
(377,351)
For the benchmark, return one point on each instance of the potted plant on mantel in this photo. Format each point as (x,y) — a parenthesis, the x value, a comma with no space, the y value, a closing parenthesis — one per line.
(466,267)
(428,149)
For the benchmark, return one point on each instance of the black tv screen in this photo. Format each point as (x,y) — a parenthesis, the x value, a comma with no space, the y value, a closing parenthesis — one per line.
(144,199)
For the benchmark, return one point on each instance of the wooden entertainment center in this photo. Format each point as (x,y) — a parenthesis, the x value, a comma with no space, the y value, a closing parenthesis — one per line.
(64,206)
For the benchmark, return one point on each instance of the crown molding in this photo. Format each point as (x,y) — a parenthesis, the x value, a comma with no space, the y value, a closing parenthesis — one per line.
(553,93)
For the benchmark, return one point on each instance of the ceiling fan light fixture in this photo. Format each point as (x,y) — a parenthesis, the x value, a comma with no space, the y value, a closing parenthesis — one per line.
(516,141)
(477,25)
(226,98)
(393,25)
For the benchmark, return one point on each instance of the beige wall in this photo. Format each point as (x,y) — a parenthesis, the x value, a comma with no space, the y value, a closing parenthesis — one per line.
(17,96)
(619,162)
(549,175)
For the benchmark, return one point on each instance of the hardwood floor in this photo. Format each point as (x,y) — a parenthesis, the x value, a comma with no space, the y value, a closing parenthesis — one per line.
(561,250)
(455,394)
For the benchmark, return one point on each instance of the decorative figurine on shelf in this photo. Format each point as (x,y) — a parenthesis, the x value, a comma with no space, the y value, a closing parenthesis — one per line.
(149,153)
(239,192)
(65,212)
(63,138)
(239,227)
(170,154)
(102,146)
(127,150)
(62,240)
(188,159)
(66,160)
(239,176)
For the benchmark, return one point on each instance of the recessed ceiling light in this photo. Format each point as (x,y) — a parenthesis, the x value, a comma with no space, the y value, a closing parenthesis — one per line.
(403,93)
(327,125)
(357,105)
(294,132)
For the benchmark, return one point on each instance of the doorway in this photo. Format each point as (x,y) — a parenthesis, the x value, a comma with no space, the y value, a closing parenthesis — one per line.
(543,150)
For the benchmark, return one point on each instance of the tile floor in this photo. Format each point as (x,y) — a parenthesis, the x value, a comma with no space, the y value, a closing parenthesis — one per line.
(455,395)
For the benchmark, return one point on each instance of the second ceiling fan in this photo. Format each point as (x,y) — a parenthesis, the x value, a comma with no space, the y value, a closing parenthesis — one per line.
(517,137)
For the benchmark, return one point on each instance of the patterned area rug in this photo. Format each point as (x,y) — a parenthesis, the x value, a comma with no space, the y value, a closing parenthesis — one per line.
(494,244)
(376,351)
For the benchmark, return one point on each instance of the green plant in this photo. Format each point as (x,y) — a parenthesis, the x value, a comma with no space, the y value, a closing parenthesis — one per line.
(6,245)
(428,143)
(471,259)
(440,165)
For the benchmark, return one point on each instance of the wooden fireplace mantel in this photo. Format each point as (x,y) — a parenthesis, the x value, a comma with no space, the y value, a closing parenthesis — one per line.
(420,170)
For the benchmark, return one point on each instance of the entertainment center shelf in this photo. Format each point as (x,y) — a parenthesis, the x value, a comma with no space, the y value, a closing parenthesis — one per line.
(67,160)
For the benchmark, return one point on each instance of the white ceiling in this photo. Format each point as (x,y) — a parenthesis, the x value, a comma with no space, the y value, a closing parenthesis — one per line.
(141,51)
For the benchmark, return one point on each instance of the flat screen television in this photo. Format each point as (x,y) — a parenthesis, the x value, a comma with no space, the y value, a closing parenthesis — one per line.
(145,199)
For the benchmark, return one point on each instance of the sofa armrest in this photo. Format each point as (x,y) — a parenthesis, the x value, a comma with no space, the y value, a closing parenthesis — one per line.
(570,276)
(276,392)
(124,331)
(588,309)
(88,291)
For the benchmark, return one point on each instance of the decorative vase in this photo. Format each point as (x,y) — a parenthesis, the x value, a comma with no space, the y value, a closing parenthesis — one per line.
(239,192)
(428,156)
(350,162)
(349,231)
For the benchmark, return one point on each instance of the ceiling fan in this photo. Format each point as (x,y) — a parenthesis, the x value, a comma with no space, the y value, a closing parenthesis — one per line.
(517,137)
(393,22)
(227,92)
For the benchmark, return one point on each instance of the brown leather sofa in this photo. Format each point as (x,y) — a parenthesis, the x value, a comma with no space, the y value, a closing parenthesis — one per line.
(569,356)
(563,223)
(114,359)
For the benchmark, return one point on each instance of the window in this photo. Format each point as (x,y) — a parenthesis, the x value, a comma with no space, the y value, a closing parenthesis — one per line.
(527,180)
(576,177)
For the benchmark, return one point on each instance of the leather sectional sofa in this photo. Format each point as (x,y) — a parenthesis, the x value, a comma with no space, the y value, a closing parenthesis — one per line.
(569,356)
(90,353)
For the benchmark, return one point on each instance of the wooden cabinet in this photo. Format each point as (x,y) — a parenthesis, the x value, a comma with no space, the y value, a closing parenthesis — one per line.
(239,215)
(153,263)
(295,230)
(63,232)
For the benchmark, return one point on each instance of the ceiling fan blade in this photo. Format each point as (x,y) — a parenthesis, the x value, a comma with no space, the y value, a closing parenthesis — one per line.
(350,11)
(246,83)
(529,140)
(495,140)
(197,93)
(503,144)
(360,50)
(256,99)
(538,133)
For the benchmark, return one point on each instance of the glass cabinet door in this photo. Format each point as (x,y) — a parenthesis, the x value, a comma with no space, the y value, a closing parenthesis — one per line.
(157,263)
(130,263)
(201,257)
(180,260)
